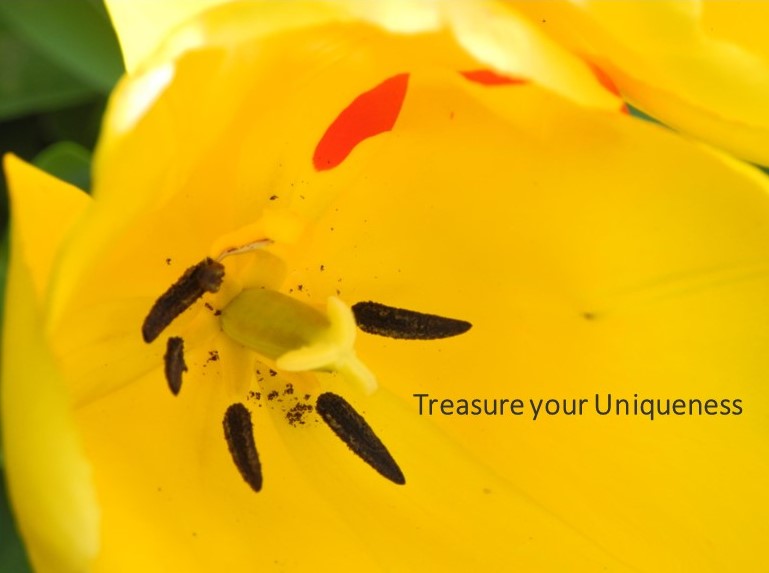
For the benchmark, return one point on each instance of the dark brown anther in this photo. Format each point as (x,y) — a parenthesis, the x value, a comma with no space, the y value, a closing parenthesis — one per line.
(174,363)
(206,276)
(382,320)
(354,431)
(239,433)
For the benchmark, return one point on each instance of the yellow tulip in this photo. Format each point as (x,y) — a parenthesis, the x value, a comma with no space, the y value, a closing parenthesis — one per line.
(321,159)
(700,66)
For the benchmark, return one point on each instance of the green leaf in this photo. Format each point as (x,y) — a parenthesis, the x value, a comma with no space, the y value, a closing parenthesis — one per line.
(4,244)
(80,124)
(12,556)
(68,161)
(30,83)
(74,34)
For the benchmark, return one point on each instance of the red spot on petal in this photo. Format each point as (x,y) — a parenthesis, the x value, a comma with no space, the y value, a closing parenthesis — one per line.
(604,79)
(371,113)
(624,109)
(491,78)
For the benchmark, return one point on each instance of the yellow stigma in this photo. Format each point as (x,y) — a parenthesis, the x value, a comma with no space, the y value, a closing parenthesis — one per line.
(297,336)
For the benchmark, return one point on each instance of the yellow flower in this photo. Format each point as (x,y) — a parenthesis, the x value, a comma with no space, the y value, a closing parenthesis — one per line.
(420,165)
(700,66)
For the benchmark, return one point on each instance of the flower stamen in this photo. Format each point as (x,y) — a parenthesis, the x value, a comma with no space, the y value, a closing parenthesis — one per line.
(392,322)
(205,276)
(239,433)
(354,431)
(174,363)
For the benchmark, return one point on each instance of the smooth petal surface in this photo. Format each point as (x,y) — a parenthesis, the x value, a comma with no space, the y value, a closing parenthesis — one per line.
(701,67)
(487,29)
(506,42)
(179,442)
(584,270)
(258,77)
(143,24)
(592,253)
(646,281)
(64,204)
(49,477)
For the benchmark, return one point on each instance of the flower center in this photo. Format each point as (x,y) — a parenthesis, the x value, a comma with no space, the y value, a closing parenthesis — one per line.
(297,336)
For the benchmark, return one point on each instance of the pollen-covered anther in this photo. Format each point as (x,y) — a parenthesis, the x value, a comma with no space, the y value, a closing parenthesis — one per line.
(174,363)
(296,335)
(354,431)
(206,276)
(392,322)
(239,433)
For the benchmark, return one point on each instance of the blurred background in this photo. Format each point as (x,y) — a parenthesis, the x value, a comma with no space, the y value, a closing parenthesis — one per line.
(59,60)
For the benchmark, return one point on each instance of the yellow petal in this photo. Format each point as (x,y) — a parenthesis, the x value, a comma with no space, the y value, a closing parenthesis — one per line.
(48,475)
(591,252)
(507,42)
(141,25)
(185,507)
(39,233)
(593,255)
(485,28)
(700,67)
(258,87)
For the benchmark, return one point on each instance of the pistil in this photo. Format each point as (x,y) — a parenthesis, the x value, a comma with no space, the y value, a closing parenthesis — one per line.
(297,336)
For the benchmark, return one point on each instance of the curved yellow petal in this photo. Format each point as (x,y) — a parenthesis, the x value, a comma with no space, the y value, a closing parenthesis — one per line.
(49,477)
(39,233)
(486,28)
(141,25)
(701,67)
(257,77)
(507,42)
(593,255)
(167,484)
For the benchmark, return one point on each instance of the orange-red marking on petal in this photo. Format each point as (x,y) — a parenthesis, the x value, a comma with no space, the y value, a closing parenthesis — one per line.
(371,113)
(604,79)
(492,78)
